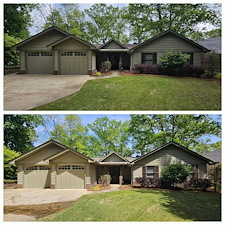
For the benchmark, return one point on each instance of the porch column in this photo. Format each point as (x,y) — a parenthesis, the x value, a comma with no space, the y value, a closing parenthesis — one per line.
(120,62)
(56,62)
(121,176)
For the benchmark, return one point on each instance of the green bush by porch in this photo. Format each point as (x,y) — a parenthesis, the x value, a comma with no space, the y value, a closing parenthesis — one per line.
(143,93)
(143,205)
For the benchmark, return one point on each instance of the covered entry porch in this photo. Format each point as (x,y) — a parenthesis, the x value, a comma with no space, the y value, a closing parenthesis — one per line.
(120,174)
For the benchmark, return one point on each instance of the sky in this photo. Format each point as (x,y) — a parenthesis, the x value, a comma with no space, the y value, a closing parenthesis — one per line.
(37,18)
(90,118)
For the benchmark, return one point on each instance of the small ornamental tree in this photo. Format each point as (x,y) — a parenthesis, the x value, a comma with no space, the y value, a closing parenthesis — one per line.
(173,60)
(176,173)
(211,64)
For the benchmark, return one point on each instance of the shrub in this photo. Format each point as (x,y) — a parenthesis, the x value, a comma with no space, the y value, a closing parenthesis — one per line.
(211,64)
(199,184)
(173,60)
(192,71)
(98,74)
(214,173)
(96,188)
(148,182)
(175,173)
(105,180)
(147,68)
(105,66)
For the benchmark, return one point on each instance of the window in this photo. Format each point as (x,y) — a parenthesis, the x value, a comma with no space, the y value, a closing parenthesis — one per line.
(71,167)
(46,54)
(33,54)
(44,168)
(149,58)
(67,54)
(190,61)
(78,168)
(38,168)
(66,167)
(79,54)
(150,171)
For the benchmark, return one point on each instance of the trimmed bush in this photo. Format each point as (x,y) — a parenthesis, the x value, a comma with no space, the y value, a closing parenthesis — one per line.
(105,180)
(175,173)
(173,60)
(148,182)
(105,66)
(199,184)
(146,68)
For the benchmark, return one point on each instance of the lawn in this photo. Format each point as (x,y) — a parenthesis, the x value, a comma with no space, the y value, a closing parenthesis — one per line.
(142,93)
(143,205)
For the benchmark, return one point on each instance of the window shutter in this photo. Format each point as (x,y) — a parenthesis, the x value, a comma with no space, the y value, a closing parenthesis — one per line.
(154,58)
(143,58)
(144,171)
(195,171)
(156,172)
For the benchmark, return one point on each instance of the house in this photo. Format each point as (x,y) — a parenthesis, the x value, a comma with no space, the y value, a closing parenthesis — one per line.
(53,165)
(54,51)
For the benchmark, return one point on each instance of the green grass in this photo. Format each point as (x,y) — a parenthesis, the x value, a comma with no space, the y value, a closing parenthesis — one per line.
(142,205)
(142,93)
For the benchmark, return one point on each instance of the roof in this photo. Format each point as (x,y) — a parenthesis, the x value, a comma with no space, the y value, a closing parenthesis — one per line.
(115,153)
(112,40)
(213,44)
(174,33)
(38,35)
(70,37)
(214,155)
(177,145)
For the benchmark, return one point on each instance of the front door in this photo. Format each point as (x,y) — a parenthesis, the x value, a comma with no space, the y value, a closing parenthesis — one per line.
(114,172)
(114,59)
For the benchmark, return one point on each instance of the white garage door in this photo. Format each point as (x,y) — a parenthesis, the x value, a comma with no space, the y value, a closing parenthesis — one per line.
(73,63)
(70,177)
(37,177)
(39,63)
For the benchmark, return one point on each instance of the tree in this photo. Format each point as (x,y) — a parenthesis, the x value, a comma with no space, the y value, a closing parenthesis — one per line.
(147,20)
(152,131)
(67,17)
(19,131)
(9,171)
(68,131)
(17,19)
(105,22)
(176,173)
(109,135)
(11,57)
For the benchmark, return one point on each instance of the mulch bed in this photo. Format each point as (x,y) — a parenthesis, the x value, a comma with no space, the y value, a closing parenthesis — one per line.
(100,188)
(102,75)
(37,211)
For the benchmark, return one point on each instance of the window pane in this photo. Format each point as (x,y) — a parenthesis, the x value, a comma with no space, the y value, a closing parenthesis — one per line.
(148,57)
(150,169)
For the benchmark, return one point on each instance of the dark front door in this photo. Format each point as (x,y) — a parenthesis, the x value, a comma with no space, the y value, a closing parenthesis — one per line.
(114,59)
(114,172)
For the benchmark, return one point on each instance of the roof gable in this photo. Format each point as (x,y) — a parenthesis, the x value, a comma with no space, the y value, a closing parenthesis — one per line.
(38,36)
(178,146)
(113,157)
(70,37)
(36,150)
(112,44)
(173,33)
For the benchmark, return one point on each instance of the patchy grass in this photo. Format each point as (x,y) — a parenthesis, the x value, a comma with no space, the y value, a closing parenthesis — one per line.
(143,205)
(142,93)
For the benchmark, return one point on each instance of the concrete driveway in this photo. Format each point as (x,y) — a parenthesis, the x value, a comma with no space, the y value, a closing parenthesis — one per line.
(41,196)
(24,92)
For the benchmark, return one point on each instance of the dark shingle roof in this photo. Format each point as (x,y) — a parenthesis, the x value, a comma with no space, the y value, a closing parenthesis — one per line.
(213,44)
(214,155)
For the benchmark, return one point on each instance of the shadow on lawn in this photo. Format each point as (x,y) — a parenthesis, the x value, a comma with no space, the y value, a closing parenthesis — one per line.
(195,206)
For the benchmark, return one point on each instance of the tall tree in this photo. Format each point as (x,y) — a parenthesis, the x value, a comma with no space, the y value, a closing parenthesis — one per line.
(19,131)
(147,20)
(67,17)
(17,19)
(105,22)
(109,135)
(152,131)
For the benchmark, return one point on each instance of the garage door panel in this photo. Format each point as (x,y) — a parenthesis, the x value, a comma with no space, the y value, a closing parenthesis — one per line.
(73,63)
(37,177)
(39,63)
(70,177)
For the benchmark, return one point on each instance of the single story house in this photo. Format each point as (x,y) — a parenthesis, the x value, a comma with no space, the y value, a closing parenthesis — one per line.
(54,51)
(53,165)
